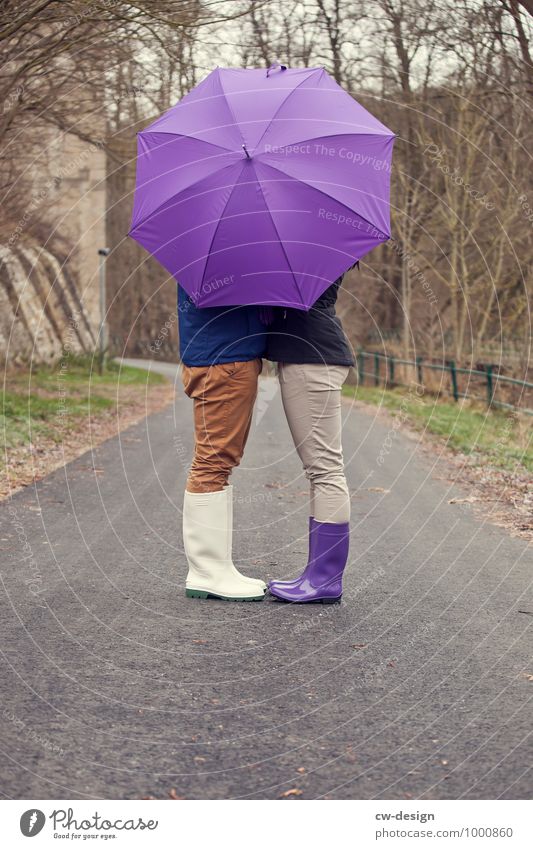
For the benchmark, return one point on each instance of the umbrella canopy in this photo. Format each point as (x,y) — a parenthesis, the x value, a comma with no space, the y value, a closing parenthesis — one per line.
(262,187)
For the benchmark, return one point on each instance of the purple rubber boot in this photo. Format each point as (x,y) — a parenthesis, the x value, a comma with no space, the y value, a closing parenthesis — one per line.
(296,581)
(322,579)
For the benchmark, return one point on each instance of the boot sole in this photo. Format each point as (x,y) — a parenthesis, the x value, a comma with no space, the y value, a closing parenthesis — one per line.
(204,594)
(308,601)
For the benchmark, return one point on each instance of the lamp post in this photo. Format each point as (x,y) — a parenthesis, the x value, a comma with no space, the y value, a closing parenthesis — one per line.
(102,253)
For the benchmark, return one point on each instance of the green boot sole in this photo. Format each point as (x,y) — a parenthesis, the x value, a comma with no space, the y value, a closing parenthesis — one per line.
(205,594)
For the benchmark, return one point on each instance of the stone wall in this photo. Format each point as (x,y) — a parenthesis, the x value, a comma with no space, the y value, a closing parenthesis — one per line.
(49,294)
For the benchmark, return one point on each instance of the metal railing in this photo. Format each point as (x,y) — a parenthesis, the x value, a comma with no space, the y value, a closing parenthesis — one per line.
(490,376)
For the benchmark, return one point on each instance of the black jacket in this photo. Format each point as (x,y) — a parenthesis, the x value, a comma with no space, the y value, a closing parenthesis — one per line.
(296,336)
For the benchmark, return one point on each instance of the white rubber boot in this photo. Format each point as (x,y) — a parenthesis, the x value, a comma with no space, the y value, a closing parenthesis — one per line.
(207,540)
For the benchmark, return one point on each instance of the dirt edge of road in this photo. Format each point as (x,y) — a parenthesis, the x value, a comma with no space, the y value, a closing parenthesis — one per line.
(504,498)
(27,464)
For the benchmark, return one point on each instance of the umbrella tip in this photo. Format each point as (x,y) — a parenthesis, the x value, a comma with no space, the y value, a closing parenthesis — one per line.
(246,152)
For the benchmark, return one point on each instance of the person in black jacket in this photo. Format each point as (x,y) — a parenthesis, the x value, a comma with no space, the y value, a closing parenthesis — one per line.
(314,358)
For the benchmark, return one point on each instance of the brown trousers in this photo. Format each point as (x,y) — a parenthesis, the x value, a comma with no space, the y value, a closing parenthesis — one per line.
(224,397)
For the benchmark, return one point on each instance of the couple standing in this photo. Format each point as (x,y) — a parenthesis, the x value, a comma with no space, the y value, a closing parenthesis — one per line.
(221,351)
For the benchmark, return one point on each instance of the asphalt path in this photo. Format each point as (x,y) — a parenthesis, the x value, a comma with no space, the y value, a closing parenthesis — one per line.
(114,685)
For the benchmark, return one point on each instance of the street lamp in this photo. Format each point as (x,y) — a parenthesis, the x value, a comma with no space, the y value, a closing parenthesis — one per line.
(102,253)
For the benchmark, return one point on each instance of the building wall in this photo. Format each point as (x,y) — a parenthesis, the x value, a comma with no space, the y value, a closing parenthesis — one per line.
(49,293)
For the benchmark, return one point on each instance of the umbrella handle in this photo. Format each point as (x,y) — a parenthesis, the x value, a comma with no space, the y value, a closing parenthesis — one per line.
(276,65)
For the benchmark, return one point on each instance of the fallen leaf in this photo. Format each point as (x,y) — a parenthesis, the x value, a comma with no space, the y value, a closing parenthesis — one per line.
(377,489)
(301,769)
(358,645)
(469,500)
(288,793)
(200,642)
(173,794)
(528,675)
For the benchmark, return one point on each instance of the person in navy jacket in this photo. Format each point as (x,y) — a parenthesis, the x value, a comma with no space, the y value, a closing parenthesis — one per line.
(221,350)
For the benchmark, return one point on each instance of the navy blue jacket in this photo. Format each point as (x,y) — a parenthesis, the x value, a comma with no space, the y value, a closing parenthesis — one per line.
(218,334)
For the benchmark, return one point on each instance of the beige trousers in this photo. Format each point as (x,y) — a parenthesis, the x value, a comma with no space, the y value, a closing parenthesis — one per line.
(311,395)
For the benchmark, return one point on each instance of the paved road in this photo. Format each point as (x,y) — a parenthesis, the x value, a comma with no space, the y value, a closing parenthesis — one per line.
(115,685)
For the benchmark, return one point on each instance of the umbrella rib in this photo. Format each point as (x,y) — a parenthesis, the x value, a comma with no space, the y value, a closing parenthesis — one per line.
(279,237)
(322,192)
(176,194)
(175,135)
(189,136)
(333,135)
(282,104)
(220,219)
(226,99)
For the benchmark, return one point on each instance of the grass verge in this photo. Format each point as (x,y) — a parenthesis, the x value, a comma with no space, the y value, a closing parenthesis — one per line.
(50,415)
(49,400)
(504,439)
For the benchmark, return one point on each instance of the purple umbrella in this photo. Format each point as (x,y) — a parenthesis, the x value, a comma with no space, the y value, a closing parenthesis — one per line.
(262,187)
